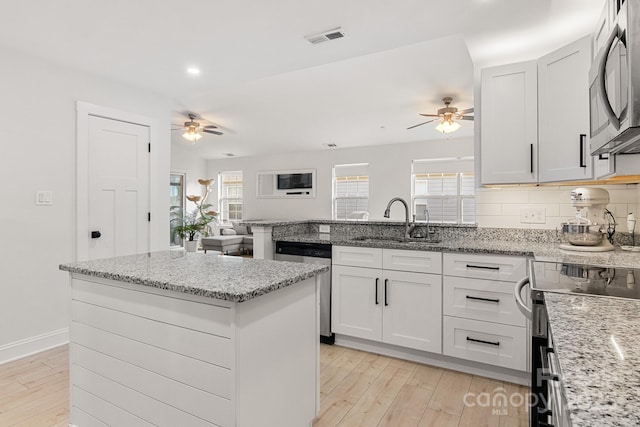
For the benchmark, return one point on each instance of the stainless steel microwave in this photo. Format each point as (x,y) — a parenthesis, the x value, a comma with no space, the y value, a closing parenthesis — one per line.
(614,78)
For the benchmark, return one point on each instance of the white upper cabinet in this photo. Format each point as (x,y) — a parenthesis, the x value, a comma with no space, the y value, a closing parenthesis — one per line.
(535,119)
(563,113)
(509,132)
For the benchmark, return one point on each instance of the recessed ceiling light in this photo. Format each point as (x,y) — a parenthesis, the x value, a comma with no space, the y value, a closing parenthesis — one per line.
(193,71)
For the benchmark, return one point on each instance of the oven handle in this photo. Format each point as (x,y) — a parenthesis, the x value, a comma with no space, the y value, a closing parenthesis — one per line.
(517,293)
(602,88)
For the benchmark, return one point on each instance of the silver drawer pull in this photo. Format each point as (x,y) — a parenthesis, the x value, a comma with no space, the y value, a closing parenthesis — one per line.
(496,300)
(483,267)
(496,343)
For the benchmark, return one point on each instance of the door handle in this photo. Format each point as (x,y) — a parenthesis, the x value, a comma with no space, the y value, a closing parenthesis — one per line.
(483,267)
(517,293)
(496,300)
(377,291)
(496,343)
(95,234)
(531,157)
(386,298)
(583,143)
(602,87)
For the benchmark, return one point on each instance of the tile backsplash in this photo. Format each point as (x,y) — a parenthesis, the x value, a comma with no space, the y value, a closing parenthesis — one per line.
(546,207)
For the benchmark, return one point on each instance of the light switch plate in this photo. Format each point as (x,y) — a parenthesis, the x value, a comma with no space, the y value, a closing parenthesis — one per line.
(325,228)
(44,198)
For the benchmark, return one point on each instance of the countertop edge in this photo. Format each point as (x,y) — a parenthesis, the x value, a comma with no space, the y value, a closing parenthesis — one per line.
(236,297)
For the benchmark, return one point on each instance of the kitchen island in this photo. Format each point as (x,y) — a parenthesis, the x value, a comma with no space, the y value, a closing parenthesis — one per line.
(173,338)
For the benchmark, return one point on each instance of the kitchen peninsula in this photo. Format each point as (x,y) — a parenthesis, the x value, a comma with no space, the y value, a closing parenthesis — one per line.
(174,338)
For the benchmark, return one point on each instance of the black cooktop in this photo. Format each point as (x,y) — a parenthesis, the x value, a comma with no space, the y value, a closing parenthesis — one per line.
(586,279)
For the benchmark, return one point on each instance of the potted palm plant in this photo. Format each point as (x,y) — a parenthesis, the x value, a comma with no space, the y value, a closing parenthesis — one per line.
(190,225)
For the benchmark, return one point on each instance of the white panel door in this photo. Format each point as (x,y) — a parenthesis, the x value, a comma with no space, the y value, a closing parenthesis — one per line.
(509,119)
(118,186)
(356,302)
(412,314)
(563,113)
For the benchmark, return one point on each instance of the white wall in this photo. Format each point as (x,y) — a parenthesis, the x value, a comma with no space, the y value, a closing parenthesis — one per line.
(389,176)
(390,171)
(37,134)
(185,161)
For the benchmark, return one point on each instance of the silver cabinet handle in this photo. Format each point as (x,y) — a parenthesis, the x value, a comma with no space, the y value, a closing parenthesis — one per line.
(602,76)
(517,293)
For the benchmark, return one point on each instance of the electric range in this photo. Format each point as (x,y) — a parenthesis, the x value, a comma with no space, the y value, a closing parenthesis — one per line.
(548,403)
(587,280)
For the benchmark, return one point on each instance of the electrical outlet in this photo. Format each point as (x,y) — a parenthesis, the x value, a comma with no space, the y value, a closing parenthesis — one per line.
(324,228)
(44,198)
(533,216)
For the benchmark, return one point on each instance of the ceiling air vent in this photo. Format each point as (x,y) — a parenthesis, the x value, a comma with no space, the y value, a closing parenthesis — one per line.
(325,36)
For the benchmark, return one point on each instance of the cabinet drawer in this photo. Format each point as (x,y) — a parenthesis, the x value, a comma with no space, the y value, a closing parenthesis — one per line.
(479,299)
(356,256)
(485,342)
(414,261)
(492,267)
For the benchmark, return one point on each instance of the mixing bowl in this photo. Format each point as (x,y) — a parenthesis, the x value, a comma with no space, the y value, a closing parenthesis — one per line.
(582,234)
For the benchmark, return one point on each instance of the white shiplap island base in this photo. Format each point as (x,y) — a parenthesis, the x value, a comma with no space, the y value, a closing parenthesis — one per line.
(181,339)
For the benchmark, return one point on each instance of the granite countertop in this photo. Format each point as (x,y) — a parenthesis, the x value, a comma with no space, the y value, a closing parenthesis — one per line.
(210,275)
(539,251)
(598,347)
(280,222)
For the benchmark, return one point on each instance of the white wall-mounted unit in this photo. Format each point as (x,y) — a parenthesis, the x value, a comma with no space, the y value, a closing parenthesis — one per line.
(293,183)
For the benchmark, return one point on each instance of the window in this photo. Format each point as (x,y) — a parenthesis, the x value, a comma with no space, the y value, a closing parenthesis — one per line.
(230,196)
(176,198)
(445,188)
(351,191)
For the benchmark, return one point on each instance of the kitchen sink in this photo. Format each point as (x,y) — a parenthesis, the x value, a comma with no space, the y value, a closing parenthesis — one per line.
(381,239)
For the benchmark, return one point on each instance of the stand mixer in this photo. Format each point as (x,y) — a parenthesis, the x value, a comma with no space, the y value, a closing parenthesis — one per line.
(593,227)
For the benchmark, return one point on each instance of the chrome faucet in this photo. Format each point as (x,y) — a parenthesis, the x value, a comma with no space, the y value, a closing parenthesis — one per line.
(427,231)
(408,228)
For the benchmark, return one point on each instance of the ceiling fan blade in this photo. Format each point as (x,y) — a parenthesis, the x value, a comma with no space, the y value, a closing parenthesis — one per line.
(210,127)
(215,132)
(420,124)
(467,111)
(430,115)
(465,118)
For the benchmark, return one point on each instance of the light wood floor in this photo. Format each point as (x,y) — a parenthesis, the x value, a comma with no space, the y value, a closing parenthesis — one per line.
(357,389)
(364,389)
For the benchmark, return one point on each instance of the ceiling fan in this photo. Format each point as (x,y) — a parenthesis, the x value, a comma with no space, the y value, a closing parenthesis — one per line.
(449,115)
(193,130)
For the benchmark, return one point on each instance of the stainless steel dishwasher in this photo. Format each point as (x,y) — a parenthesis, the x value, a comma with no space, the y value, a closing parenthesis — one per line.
(313,253)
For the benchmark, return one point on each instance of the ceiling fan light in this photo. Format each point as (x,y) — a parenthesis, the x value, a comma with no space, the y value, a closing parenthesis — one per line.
(192,136)
(448,126)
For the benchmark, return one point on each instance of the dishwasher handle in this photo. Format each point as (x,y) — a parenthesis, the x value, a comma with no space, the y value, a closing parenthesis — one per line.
(517,293)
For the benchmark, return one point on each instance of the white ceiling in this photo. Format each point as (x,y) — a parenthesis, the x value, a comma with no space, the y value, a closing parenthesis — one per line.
(269,89)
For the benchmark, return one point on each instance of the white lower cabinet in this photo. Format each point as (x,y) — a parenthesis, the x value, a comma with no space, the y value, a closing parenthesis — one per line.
(355,302)
(401,297)
(486,342)
(481,321)
(412,311)
(395,307)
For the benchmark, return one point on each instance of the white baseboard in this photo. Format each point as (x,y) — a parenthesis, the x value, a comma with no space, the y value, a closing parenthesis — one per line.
(439,360)
(32,345)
